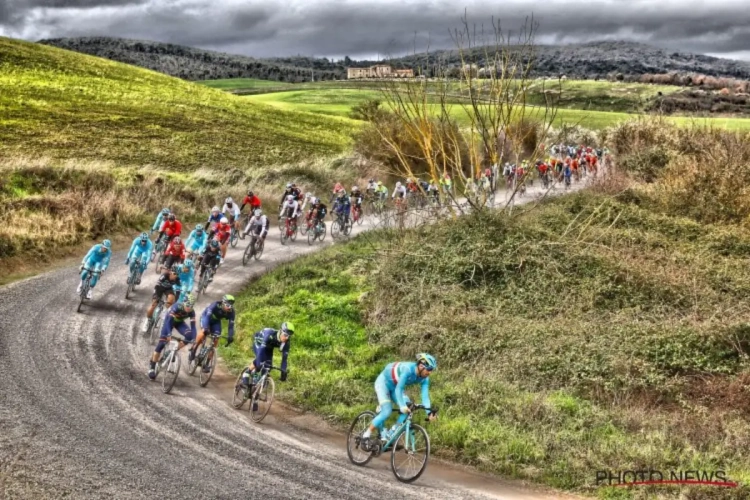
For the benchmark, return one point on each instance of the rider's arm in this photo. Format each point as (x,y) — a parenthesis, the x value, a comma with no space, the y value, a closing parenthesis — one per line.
(149,247)
(89,254)
(132,249)
(157,222)
(230,326)
(426,393)
(284,356)
(105,261)
(192,324)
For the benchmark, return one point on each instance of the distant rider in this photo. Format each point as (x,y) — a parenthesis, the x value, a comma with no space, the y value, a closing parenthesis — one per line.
(97,260)
(140,252)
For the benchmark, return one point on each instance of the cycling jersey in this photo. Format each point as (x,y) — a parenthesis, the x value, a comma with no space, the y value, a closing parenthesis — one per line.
(390,386)
(140,250)
(97,260)
(176,319)
(322,210)
(253,201)
(158,222)
(222,232)
(167,286)
(187,277)
(196,242)
(290,207)
(295,192)
(266,341)
(171,228)
(371,186)
(233,209)
(212,316)
(175,250)
(214,219)
(399,191)
(258,226)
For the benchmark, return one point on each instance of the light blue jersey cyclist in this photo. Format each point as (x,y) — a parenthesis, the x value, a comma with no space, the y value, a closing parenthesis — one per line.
(140,251)
(97,260)
(390,385)
(197,240)
(160,219)
(186,273)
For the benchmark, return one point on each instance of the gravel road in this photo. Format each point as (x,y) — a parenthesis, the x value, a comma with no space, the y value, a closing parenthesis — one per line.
(80,419)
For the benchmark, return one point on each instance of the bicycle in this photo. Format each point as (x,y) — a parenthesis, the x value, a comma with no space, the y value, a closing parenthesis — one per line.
(170,361)
(290,230)
(401,208)
(254,250)
(159,249)
(208,274)
(260,390)
(318,231)
(153,321)
(357,214)
(206,355)
(133,277)
(87,285)
(409,437)
(234,237)
(340,226)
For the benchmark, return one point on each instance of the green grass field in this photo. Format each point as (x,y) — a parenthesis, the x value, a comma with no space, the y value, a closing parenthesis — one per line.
(243,84)
(66,105)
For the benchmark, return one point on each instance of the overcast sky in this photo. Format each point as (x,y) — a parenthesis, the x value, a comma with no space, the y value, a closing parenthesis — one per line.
(365,28)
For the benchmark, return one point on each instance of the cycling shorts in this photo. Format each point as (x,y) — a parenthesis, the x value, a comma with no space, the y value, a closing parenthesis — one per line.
(160,290)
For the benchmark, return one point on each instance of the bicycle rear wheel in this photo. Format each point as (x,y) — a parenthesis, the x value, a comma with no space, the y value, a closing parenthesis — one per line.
(203,376)
(322,235)
(358,456)
(234,238)
(411,451)
(311,236)
(193,365)
(263,396)
(172,370)
(335,229)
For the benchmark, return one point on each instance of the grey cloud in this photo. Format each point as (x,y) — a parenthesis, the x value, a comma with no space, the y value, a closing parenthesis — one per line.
(321,28)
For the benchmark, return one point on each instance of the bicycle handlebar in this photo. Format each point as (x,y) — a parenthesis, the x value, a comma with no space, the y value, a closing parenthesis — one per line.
(413,407)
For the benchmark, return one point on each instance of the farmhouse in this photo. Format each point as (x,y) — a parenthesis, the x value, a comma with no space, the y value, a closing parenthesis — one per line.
(378,71)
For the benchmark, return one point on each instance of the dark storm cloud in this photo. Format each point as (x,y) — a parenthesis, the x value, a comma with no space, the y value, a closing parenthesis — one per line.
(357,27)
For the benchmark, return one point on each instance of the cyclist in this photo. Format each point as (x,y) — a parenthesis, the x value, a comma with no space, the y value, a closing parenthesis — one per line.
(447,183)
(197,240)
(251,200)
(176,318)
(306,200)
(412,187)
(336,188)
(160,219)
(399,191)
(390,385)
(318,211)
(258,225)
(221,233)
(97,259)
(356,200)
(343,205)
(372,186)
(168,284)
(290,208)
(170,228)
(211,257)
(382,192)
(186,273)
(291,190)
(234,212)
(266,341)
(211,324)
(140,251)
(213,218)
(175,253)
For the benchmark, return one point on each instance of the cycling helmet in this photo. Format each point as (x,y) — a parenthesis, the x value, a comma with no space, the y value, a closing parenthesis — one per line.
(250,193)
(214,244)
(308,195)
(165,211)
(177,268)
(189,301)
(199,227)
(371,180)
(172,217)
(341,193)
(408,181)
(315,201)
(287,328)
(427,360)
(258,212)
(229,201)
(355,188)
(188,263)
(289,185)
(215,209)
(176,240)
(380,183)
(290,198)
(227,301)
(398,184)
(224,220)
(144,236)
(107,244)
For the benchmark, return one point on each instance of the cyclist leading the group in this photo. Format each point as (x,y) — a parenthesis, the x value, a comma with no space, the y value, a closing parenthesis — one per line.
(140,252)
(97,259)
(390,385)
(177,318)
(211,325)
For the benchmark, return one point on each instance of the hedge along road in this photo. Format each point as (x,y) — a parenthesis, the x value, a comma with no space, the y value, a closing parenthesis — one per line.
(80,419)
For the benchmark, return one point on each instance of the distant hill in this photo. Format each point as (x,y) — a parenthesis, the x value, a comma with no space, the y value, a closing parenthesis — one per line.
(192,64)
(589,60)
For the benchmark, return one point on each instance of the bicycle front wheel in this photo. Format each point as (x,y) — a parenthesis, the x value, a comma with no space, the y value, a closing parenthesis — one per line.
(410,453)
(206,376)
(335,229)
(258,249)
(240,393)
(248,253)
(356,454)
(262,400)
(172,370)
(234,239)
(155,327)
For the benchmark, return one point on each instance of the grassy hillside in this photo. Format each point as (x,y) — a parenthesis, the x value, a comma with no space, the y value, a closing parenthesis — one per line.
(89,147)
(61,104)
(585,334)
(339,102)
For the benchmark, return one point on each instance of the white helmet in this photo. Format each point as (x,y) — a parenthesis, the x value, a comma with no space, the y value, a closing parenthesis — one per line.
(314,200)
(308,195)
(224,220)
(215,209)
(355,188)
(408,181)
(228,200)
(289,198)
(398,184)
(258,212)
(289,185)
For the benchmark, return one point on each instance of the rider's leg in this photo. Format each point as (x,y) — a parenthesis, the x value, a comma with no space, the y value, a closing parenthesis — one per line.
(164,335)
(170,299)
(95,276)
(386,406)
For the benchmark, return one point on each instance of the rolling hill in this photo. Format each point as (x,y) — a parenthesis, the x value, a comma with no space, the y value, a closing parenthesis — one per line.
(589,60)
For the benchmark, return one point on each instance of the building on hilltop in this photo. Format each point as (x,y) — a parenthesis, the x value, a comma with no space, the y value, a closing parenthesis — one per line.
(378,71)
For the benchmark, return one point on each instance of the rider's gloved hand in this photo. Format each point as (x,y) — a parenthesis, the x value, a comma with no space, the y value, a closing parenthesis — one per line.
(405,409)
(80,268)
(284,374)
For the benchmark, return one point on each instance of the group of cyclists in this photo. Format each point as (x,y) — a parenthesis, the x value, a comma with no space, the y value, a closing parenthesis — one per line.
(206,245)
